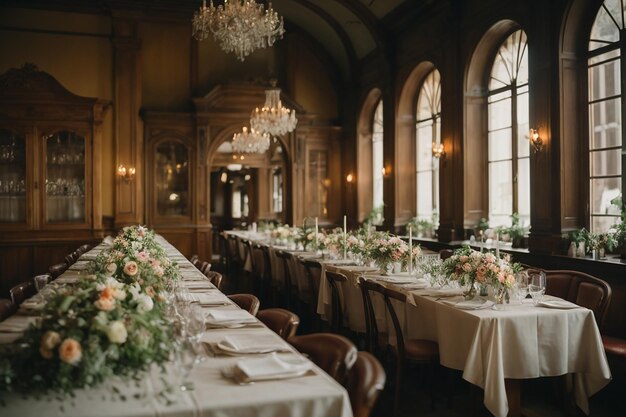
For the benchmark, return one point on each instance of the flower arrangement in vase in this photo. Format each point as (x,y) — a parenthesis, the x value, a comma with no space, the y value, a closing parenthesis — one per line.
(471,268)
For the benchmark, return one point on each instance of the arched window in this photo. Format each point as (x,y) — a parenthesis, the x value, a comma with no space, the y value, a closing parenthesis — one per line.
(377,155)
(508,148)
(428,132)
(605,114)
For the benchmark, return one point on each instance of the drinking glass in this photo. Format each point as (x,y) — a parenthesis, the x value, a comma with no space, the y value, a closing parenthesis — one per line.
(521,286)
(185,361)
(41,281)
(537,286)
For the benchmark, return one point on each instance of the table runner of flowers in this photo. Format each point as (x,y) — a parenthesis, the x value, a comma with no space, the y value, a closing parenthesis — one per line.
(110,322)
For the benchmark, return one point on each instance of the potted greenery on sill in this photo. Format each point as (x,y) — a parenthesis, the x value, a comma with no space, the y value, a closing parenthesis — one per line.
(424,227)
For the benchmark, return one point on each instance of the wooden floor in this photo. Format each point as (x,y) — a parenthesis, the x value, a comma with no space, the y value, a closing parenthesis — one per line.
(539,399)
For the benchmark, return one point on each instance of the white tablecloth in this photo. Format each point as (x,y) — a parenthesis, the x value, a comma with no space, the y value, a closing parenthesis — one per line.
(314,394)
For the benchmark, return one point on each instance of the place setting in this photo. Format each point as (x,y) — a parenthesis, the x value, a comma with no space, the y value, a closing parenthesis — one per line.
(229,319)
(268,368)
(247,344)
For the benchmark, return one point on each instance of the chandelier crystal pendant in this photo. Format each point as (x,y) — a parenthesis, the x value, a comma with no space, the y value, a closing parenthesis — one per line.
(239,26)
(250,141)
(273,118)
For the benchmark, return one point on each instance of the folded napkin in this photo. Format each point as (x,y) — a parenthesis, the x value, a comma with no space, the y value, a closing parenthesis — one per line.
(229,317)
(79,265)
(359,268)
(473,304)
(393,279)
(108,240)
(269,367)
(17,323)
(338,262)
(209,299)
(198,284)
(440,292)
(554,302)
(243,343)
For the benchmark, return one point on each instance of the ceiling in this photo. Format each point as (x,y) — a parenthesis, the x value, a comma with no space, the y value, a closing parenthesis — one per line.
(349,30)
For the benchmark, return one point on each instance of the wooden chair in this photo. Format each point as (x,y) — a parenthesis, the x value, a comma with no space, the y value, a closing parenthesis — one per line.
(414,350)
(374,339)
(445,254)
(282,322)
(247,302)
(205,267)
(215,277)
(334,353)
(285,291)
(335,279)
(313,270)
(7,308)
(21,292)
(70,259)
(366,380)
(194,258)
(57,269)
(266,282)
(615,349)
(582,289)
(84,248)
(258,266)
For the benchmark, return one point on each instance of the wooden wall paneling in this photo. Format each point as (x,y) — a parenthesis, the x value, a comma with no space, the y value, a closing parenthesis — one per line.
(128,133)
(16,265)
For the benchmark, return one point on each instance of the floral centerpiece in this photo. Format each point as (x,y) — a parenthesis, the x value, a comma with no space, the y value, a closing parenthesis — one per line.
(471,268)
(386,251)
(109,323)
(283,234)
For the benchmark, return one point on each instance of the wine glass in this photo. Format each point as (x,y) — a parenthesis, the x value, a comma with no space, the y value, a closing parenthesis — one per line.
(185,360)
(537,286)
(521,286)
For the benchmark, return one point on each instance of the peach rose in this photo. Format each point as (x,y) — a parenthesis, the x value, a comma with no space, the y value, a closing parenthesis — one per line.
(45,353)
(143,256)
(105,304)
(70,351)
(50,340)
(130,268)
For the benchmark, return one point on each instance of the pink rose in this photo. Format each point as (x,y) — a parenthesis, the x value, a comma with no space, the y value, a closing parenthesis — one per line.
(130,268)
(143,256)
(467,267)
(70,351)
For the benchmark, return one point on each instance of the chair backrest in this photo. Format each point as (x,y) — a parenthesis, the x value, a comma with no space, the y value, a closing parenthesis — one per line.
(333,353)
(365,382)
(57,269)
(388,295)
(21,292)
(258,260)
(194,258)
(7,308)
(70,259)
(371,326)
(267,263)
(284,259)
(84,248)
(247,302)
(334,280)
(445,253)
(232,248)
(582,289)
(215,277)
(313,273)
(282,322)
(205,267)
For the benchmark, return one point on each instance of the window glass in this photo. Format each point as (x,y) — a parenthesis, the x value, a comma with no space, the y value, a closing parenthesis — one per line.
(377,154)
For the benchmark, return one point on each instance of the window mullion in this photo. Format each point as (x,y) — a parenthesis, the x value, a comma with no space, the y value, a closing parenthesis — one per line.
(514,146)
(623,107)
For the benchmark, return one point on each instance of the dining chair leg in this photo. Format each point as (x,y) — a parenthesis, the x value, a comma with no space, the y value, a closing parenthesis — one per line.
(396,398)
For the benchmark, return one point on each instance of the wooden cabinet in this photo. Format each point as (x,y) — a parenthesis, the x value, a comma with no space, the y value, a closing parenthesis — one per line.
(50,173)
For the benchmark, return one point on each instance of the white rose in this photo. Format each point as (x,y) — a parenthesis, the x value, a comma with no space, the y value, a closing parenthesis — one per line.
(117,332)
(111,268)
(144,303)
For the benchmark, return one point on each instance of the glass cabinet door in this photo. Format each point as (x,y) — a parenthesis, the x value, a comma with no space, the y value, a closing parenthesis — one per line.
(12,177)
(317,184)
(65,177)
(172,179)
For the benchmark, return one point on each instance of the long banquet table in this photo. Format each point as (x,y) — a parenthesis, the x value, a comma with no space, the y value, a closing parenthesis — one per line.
(314,394)
(494,348)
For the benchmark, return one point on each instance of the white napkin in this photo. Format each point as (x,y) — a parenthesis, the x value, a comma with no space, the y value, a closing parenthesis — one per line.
(210,299)
(221,316)
(338,262)
(16,323)
(108,240)
(242,343)
(440,292)
(271,367)
(557,303)
(359,268)
(473,304)
(204,284)
(393,279)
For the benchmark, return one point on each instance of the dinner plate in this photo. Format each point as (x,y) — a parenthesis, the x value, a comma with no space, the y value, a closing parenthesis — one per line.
(560,304)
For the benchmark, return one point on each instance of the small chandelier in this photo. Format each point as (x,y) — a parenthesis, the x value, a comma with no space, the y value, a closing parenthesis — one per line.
(240,26)
(250,141)
(273,118)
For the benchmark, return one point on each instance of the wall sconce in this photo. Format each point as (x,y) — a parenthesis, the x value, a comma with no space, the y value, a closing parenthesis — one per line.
(386,171)
(535,140)
(438,150)
(350,178)
(127,174)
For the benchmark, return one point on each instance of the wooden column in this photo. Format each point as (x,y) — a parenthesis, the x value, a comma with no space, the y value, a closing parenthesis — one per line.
(128,127)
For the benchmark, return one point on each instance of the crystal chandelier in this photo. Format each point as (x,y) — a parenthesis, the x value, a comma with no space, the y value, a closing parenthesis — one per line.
(239,26)
(250,141)
(273,118)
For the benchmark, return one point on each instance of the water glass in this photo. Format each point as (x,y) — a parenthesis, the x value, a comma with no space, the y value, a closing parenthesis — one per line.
(521,286)
(41,281)
(185,361)
(537,286)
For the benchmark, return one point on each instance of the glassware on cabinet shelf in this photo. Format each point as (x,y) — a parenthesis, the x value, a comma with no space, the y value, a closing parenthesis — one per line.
(12,177)
(172,179)
(65,177)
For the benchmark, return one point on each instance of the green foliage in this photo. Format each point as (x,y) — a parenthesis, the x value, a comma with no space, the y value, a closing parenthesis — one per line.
(376,216)
(424,227)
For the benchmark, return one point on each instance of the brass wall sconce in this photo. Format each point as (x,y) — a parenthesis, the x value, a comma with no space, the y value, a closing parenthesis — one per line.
(386,171)
(350,178)
(535,140)
(438,150)
(126,174)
